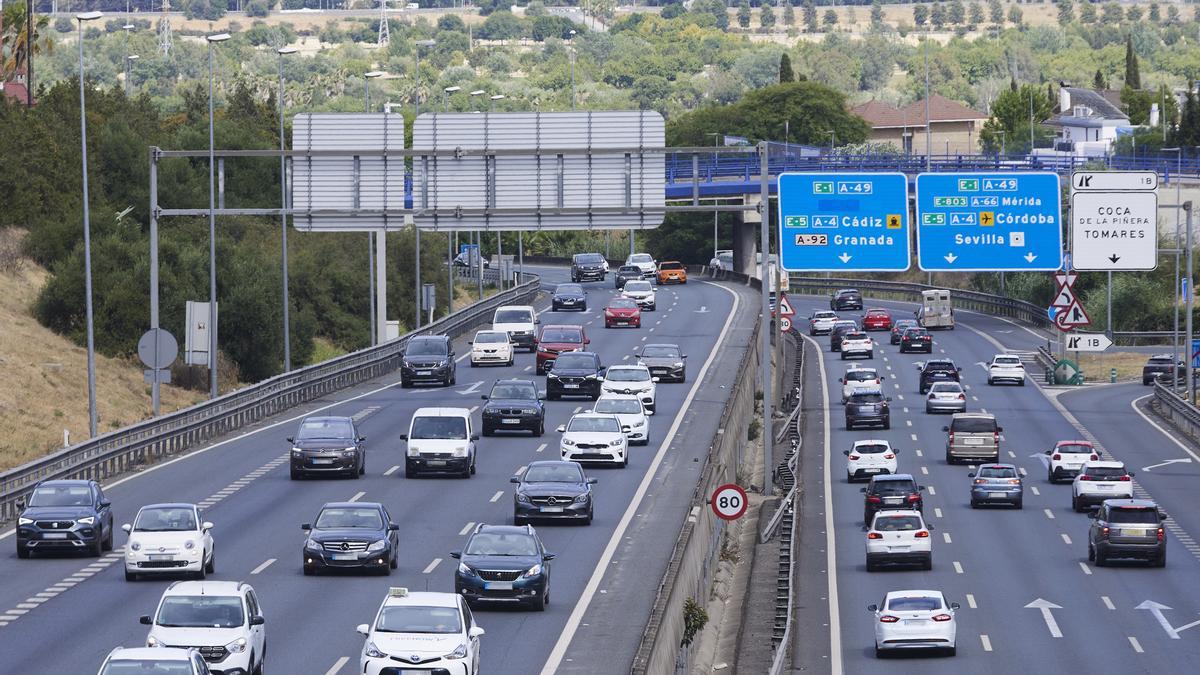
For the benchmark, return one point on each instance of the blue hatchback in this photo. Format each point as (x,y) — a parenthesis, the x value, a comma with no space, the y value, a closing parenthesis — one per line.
(996,484)
(504,564)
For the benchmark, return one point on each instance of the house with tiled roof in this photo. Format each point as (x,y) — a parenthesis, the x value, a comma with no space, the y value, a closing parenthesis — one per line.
(14,92)
(1087,121)
(953,127)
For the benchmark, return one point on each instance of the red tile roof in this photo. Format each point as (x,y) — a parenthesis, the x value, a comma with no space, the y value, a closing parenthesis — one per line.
(15,92)
(881,115)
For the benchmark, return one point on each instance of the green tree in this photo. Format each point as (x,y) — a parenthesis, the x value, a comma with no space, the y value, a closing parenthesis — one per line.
(876,14)
(920,14)
(1133,75)
(1015,15)
(1188,131)
(789,14)
(1098,82)
(810,17)
(976,12)
(1010,114)
(501,25)
(650,90)
(829,20)
(743,14)
(1172,15)
(956,13)
(1066,12)
(786,74)
(766,17)
(996,12)
(937,16)
(14,42)
(1087,13)
(1112,13)
(205,9)
(257,8)
(451,22)
(715,8)
(1133,14)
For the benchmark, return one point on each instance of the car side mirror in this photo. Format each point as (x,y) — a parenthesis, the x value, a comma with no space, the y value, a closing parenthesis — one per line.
(999,430)
(483,397)
(541,396)
(258,620)
(1131,474)
(306,527)
(971,475)
(1163,515)
(145,620)
(206,526)
(863,490)
(393,527)
(930,527)
(945,428)
(404,437)
(587,341)
(548,557)
(104,503)
(21,504)
(846,453)
(515,479)
(654,379)
(475,632)
(127,527)
(363,629)
(1049,452)
(474,437)
(456,554)
(841,380)
(593,481)
(291,440)
(362,439)
(872,608)
(562,429)
(684,356)
(889,399)
(954,605)
(537,320)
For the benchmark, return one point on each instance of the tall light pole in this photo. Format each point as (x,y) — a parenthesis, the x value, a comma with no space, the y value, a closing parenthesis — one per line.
(572,57)
(213,40)
(446,97)
(367,77)
(417,74)
(473,95)
(832,140)
(127,28)
(283,227)
(716,235)
(1191,293)
(129,59)
(87,235)
(1179,164)
(492,102)
(928,125)
(1002,139)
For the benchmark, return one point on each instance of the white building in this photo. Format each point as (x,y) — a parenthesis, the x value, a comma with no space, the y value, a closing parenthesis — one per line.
(1088,122)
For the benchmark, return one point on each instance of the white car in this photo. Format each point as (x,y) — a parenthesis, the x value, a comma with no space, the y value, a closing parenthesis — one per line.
(432,632)
(899,537)
(907,620)
(491,347)
(645,262)
(594,437)
(1006,368)
(946,397)
(869,458)
(520,322)
(1098,481)
(641,292)
(440,440)
(859,378)
(169,539)
(857,344)
(222,619)
(632,380)
(821,322)
(135,660)
(1067,459)
(630,413)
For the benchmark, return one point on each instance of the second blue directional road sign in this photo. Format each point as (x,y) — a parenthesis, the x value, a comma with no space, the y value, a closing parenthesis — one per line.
(840,222)
(989,222)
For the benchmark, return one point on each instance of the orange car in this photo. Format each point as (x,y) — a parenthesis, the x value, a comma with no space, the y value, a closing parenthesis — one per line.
(672,271)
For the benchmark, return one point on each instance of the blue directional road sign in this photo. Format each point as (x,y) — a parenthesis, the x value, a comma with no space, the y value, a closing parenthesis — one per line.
(989,222)
(839,222)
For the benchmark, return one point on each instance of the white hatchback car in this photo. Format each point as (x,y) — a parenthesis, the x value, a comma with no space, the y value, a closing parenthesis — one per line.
(821,322)
(869,458)
(632,381)
(919,619)
(1098,481)
(1006,368)
(899,537)
(491,347)
(859,378)
(169,539)
(1067,459)
(641,292)
(432,632)
(136,660)
(857,344)
(630,413)
(220,619)
(645,262)
(594,437)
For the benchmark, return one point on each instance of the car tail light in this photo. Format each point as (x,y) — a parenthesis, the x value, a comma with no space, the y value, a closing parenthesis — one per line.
(980,481)
(874,500)
(1084,476)
(1125,478)
(914,498)
(1094,458)
(1104,533)
(874,535)
(1057,457)
(853,458)
(962,397)
(922,534)
(942,617)
(889,456)
(888,618)
(1160,534)
(951,437)
(996,436)
(1015,481)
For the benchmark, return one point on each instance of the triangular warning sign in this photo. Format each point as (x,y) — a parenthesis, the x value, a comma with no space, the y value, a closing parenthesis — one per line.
(1065,297)
(785,306)
(1072,316)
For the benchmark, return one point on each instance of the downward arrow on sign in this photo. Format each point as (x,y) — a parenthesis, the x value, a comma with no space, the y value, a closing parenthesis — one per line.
(950,258)
(1114,258)
(1029,257)
(844,257)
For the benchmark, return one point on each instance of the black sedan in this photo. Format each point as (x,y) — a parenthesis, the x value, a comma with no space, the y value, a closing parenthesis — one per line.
(65,515)
(665,362)
(553,490)
(514,405)
(626,273)
(575,374)
(351,535)
(569,296)
(846,299)
(328,445)
(504,564)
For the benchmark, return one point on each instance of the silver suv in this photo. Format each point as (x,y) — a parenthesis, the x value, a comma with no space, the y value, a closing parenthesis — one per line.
(973,437)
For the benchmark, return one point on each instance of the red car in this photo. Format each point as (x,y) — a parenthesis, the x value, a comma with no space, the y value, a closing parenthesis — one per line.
(556,339)
(877,319)
(622,312)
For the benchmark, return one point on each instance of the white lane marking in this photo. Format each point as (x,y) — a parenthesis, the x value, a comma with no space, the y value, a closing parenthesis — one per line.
(337,666)
(1164,432)
(1035,490)
(496,497)
(937,513)
(932,491)
(983,410)
(971,601)
(432,566)
(473,409)
(946,537)
(908,423)
(987,643)
(554,660)
(924,471)
(466,528)
(357,496)
(906,410)
(919,453)
(1023,471)
(1012,454)
(1086,570)
(1108,603)
(528,368)
(541,447)
(1066,538)
(1049,513)
(974,398)
(578,408)
(958,567)
(1137,646)
(392,470)
(625,358)
(471,389)
(913,436)
(260,568)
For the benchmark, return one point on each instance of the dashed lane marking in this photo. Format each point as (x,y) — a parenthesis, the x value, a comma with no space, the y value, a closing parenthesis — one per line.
(946,537)
(1108,603)
(1137,646)
(337,666)
(260,568)
(357,496)
(392,470)
(466,528)
(958,569)
(1086,570)
(971,601)
(986,642)
(1049,513)
(432,566)
(1066,538)
(496,497)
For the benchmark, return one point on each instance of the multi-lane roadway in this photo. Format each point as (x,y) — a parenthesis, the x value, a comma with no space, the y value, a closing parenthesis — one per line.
(63,614)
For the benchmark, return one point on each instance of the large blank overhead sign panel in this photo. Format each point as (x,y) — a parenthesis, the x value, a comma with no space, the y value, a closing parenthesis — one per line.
(356,192)
(533,171)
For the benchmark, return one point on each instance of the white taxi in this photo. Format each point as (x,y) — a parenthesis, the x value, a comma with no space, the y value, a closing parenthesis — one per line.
(869,458)
(421,632)
(491,347)
(169,539)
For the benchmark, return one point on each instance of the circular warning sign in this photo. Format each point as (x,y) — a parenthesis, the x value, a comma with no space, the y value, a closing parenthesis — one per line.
(729,502)
(785,324)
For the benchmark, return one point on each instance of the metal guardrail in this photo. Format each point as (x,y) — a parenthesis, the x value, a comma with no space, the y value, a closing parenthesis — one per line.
(148,441)
(1182,413)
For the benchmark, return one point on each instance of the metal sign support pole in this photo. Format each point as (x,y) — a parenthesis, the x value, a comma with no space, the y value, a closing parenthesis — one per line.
(1191,293)
(520,255)
(449,273)
(154,386)
(381,286)
(764,334)
(371,290)
(1108,311)
(417,274)
(500,259)
(479,263)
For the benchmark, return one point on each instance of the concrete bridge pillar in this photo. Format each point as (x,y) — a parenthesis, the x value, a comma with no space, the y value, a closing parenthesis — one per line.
(746,227)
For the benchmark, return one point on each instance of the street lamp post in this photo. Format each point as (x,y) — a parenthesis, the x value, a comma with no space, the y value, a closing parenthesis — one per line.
(213,40)
(572,57)
(1178,243)
(832,140)
(716,235)
(127,28)
(283,227)
(1002,139)
(129,59)
(492,102)
(87,235)
(367,77)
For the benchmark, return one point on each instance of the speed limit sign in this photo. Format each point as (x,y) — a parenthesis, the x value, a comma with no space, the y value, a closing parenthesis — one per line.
(729,502)
(785,324)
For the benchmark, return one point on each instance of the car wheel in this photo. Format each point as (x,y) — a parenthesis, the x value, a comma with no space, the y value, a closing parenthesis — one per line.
(108,540)
(129,576)
(23,553)
(1050,478)
(1020,504)
(472,466)
(487,431)
(454,377)
(296,475)
(511,361)
(552,396)
(203,573)
(1076,505)
(211,567)
(1091,553)
(405,384)
(625,461)
(1101,559)
(927,564)
(870,566)
(541,429)
(878,652)
(539,603)
(362,468)
(309,571)
(871,354)
(258,669)
(887,424)
(843,356)
(952,651)
(849,477)
(928,410)
(867,517)
(949,458)
(990,381)
(410,471)
(974,504)
(96,549)
(473,364)
(1161,560)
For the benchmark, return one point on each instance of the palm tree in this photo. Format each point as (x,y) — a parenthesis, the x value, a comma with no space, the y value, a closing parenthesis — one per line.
(14,41)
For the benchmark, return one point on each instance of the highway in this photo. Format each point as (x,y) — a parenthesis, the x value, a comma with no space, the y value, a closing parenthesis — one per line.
(66,613)
(1030,600)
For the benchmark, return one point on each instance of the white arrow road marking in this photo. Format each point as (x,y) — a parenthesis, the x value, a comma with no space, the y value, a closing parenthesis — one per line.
(472,389)
(950,258)
(1157,610)
(1042,458)
(702,310)
(1185,460)
(844,257)
(1044,606)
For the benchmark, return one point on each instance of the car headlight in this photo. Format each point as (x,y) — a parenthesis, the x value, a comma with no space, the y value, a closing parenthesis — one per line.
(528,411)
(135,546)
(618,442)
(24,521)
(640,423)
(413,451)
(533,571)
(407,364)
(373,652)
(237,646)
(463,568)
(378,545)
(679,364)
(89,520)
(310,544)
(460,652)
(296,452)
(551,376)
(460,451)
(152,641)
(189,544)
(349,452)
(589,377)
(524,499)
(582,499)
(568,442)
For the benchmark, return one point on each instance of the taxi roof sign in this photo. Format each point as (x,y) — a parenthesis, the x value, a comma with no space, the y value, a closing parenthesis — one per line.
(397,592)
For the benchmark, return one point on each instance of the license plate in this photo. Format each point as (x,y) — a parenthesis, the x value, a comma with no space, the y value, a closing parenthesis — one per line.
(914,622)
(1134,532)
(424,372)
(898,549)
(570,386)
(996,495)
(498,585)
(344,556)
(973,441)
(436,462)
(1102,486)
(510,421)
(893,500)
(322,461)
(872,470)
(552,509)
(55,535)
(160,557)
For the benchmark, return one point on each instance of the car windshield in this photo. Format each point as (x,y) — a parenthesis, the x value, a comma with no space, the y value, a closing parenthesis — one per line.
(589,258)
(867,397)
(871,448)
(418,619)
(905,323)
(1007,361)
(824,315)
(513,316)
(671,266)
(851,335)
(439,428)
(861,375)
(580,361)
(495,543)
(1105,472)
(339,517)
(561,335)
(569,289)
(660,352)
(426,348)
(939,365)
(325,429)
(490,337)
(897,523)
(844,326)
(877,312)
(973,425)
(200,611)
(997,472)
(630,269)
(521,391)
(622,303)
(895,487)
(1075,449)
(1123,514)
(638,286)
(641,258)
(166,519)
(627,375)
(147,667)
(919,603)
(915,332)
(61,495)
(1159,361)
(624,406)
(946,388)
(554,473)
(594,424)
(848,291)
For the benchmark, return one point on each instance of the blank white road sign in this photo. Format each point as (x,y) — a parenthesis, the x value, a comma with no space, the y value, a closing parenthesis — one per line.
(1114,231)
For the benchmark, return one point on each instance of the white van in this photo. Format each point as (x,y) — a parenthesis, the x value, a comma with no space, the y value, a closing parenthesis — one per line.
(440,440)
(520,322)
(936,310)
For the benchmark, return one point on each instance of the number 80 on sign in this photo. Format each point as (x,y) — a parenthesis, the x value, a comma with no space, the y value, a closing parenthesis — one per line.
(729,502)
